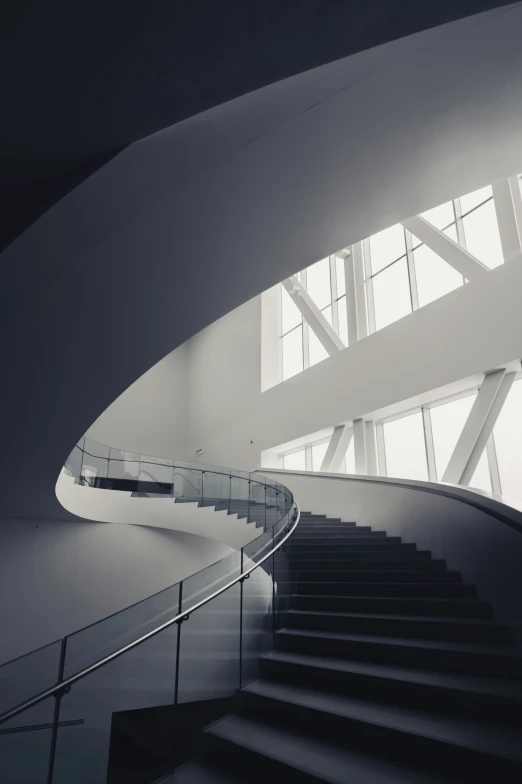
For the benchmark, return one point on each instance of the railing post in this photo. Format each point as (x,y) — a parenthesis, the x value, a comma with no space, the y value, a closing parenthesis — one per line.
(56,713)
(178,645)
(241,583)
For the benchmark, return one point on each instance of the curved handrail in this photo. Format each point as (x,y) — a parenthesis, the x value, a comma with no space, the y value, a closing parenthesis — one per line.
(64,685)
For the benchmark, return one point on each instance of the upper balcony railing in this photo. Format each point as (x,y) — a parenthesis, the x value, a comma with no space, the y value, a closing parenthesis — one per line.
(248,495)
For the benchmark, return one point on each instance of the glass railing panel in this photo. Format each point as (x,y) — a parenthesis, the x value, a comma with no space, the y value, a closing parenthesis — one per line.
(216,489)
(123,465)
(156,469)
(239,494)
(209,653)
(99,640)
(22,678)
(73,464)
(107,712)
(188,483)
(256,617)
(203,584)
(257,503)
(26,745)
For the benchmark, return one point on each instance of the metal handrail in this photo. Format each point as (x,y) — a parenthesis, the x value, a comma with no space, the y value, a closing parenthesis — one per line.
(64,686)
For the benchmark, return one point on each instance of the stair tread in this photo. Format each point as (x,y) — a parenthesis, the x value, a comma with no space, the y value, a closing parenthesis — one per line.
(412,642)
(200,773)
(479,684)
(389,617)
(482,736)
(326,760)
(355,597)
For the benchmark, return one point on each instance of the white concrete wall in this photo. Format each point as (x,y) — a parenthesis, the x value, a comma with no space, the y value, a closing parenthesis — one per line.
(57,577)
(150,417)
(471,330)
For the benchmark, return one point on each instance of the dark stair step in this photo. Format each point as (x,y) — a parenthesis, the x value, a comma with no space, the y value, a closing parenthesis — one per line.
(457,608)
(357,530)
(200,772)
(367,554)
(454,744)
(374,572)
(348,543)
(367,547)
(352,536)
(454,629)
(274,753)
(347,587)
(448,656)
(479,697)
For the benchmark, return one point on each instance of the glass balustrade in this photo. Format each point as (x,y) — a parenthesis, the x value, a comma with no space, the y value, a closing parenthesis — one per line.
(128,695)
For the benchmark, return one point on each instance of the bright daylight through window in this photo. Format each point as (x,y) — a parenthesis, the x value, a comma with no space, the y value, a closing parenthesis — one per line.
(398,274)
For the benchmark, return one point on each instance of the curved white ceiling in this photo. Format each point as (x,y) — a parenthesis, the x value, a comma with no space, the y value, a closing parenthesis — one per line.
(188,224)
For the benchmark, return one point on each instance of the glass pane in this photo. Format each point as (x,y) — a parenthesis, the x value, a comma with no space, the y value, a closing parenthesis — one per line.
(451,231)
(327,313)
(126,695)
(123,465)
(481,478)
(293,353)
(257,620)
(387,246)
(475,198)
(94,449)
(26,676)
(318,283)
(239,495)
(209,649)
(318,453)
(482,235)
(316,350)
(290,313)
(339,275)
(158,471)
(257,504)
(343,323)
(405,448)
(25,748)
(216,489)
(391,294)
(73,464)
(203,584)
(296,461)
(93,643)
(188,484)
(440,216)
(434,276)
(447,422)
(508,442)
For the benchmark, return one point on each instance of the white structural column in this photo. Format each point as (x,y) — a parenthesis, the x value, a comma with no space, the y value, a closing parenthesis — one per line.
(507,219)
(516,195)
(478,427)
(355,293)
(456,256)
(359,443)
(339,443)
(370,448)
(325,333)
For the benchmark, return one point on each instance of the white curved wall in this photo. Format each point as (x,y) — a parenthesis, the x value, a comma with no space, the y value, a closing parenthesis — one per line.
(111,506)
(153,247)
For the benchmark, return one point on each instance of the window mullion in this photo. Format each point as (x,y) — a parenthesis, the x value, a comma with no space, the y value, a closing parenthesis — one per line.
(428,441)
(369,285)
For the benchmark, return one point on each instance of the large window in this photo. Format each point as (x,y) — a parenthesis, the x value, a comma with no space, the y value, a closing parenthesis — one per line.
(400,275)
(419,445)
(300,347)
(405,448)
